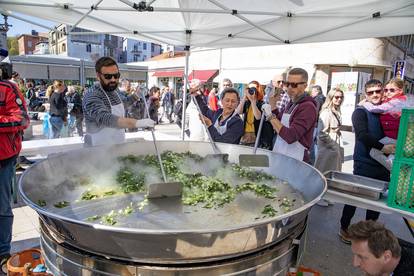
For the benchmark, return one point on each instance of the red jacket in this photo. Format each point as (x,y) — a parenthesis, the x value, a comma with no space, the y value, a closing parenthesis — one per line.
(13,119)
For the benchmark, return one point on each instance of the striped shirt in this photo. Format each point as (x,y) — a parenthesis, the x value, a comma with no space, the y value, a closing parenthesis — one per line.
(97,108)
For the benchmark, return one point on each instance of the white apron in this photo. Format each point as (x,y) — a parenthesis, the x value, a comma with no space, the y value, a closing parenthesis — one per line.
(109,135)
(295,150)
(222,129)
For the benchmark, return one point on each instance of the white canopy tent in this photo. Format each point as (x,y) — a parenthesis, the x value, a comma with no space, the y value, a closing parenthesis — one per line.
(226,23)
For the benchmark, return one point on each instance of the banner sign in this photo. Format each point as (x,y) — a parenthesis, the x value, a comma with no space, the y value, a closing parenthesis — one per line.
(399,69)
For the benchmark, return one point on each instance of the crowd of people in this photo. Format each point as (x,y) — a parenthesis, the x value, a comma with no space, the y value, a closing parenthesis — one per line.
(281,116)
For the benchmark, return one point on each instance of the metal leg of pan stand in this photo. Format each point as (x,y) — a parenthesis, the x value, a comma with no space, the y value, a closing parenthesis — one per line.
(409,226)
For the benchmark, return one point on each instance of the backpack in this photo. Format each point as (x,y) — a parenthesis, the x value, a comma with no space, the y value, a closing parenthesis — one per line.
(178,108)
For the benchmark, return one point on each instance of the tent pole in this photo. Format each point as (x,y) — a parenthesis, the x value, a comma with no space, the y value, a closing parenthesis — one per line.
(186,85)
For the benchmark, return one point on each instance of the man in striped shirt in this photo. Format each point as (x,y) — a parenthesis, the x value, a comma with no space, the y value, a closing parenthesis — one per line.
(104,110)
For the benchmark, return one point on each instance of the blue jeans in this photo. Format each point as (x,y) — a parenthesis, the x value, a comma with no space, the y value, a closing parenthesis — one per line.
(7,174)
(57,125)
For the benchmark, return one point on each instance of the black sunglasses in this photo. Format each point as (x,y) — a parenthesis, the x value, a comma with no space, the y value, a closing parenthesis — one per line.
(338,97)
(110,76)
(369,93)
(294,84)
(392,90)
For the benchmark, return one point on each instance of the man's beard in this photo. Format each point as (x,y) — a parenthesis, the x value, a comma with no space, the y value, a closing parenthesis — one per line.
(111,86)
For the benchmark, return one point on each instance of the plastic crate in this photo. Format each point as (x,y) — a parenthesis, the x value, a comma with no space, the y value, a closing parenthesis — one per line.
(405,141)
(401,188)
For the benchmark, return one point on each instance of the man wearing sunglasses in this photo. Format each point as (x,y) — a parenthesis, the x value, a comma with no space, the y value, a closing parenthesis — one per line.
(368,132)
(104,110)
(294,125)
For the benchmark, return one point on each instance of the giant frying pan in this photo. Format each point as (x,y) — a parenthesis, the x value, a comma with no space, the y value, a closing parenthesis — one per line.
(165,231)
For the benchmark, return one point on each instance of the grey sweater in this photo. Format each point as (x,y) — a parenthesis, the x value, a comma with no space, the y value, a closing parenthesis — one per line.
(97,108)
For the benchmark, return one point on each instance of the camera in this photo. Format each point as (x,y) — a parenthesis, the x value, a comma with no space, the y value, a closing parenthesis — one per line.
(252,90)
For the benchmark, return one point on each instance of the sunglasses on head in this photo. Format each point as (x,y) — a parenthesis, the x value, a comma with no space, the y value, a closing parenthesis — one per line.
(294,84)
(338,97)
(110,76)
(392,90)
(369,93)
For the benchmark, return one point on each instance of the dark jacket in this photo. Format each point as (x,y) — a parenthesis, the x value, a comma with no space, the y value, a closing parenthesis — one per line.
(76,100)
(234,130)
(320,99)
(301,124)
(266,137)
(58,105)
(406,265)
(368,132)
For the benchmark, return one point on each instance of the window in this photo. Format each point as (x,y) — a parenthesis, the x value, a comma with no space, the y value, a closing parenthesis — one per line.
(145,46)
(63,47)
(145,57)
(29,44)
(88,48)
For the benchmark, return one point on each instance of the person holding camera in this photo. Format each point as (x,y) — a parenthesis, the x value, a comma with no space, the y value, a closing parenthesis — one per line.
(250,107)
(294,126)
(13,120)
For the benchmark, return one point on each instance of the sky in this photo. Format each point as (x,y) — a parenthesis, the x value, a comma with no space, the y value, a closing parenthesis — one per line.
(22,27)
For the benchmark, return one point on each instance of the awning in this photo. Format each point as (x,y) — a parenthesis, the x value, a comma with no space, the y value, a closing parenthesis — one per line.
(63,72)
(31,70)
(203,75)
(177,73)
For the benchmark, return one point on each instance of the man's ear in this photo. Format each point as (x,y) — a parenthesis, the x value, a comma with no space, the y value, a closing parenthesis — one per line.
(387,256)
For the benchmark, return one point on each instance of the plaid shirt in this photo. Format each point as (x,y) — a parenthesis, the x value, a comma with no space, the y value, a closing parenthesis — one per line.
(283,101)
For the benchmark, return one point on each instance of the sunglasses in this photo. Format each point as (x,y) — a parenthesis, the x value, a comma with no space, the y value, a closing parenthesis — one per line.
(110,76)
(294,84)
(338,97)
(370,93)
(391,90)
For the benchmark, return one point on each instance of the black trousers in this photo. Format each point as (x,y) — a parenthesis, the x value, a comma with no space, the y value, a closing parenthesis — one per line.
(349,211)
(363,169)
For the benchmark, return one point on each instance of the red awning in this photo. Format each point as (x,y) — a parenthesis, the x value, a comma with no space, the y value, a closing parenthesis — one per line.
(203,75)
(177,74)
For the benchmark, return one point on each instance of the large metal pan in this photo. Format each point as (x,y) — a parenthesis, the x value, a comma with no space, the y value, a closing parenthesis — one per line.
(165,231)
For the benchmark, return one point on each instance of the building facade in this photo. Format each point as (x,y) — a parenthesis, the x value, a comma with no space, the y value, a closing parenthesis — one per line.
(27,42)
(88,47)
(42,48)
(113,47)
(137,50)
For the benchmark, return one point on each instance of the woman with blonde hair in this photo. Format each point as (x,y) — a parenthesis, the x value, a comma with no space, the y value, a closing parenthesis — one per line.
(330,153)
(49,91)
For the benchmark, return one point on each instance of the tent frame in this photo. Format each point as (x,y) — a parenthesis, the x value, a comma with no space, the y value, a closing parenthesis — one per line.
(143,6)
